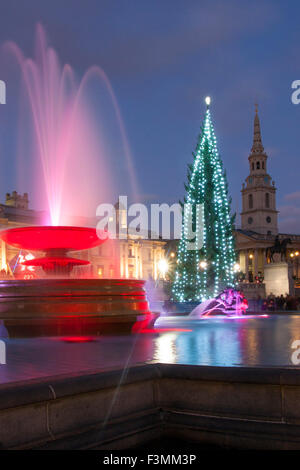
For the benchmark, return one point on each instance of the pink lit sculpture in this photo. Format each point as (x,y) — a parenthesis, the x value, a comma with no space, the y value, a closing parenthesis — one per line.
(230,302)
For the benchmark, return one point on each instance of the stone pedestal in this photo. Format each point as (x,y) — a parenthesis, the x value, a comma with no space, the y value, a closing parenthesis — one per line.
(278,279)
(252,290)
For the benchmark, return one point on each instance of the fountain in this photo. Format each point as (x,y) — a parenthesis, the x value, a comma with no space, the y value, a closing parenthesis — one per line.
(230,302)
(58,304)
(55,242)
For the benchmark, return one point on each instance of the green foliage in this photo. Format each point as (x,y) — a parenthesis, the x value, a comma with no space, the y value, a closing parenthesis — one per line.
(206,185)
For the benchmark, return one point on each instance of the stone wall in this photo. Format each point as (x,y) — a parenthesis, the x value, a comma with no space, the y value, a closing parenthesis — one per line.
(230,407)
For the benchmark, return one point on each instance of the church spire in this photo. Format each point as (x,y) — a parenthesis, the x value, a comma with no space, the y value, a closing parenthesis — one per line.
(257,147)
(259,212)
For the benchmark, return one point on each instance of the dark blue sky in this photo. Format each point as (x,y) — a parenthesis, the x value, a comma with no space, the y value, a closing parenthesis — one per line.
(162,58)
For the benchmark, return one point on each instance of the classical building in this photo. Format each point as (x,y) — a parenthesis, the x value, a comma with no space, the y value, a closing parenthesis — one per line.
(259,225)
(259,212)
(134,257)
(15,213)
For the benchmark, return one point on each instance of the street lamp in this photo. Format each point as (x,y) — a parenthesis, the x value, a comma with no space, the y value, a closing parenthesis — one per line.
(203,264)
(236,267)
(295,258)
(163,267)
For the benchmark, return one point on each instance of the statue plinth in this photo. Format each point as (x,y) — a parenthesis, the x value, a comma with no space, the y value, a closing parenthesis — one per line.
(278,278)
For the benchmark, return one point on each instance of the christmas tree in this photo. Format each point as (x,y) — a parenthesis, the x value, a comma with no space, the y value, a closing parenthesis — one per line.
(201,273)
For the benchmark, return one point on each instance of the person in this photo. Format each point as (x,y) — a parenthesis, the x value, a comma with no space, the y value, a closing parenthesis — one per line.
(280,302)
(3,274)
(271,304)
(292,303)
(258,302)
(264,306)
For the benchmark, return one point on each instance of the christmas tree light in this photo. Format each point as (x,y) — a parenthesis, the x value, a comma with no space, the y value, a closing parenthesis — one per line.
(204,272)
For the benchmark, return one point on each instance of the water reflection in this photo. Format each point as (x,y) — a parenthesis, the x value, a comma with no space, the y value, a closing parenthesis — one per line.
(214,341)
(166,348)
(220,342)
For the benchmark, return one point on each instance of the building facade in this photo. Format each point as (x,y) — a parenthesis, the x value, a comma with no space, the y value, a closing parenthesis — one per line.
(133,257)
(259,224)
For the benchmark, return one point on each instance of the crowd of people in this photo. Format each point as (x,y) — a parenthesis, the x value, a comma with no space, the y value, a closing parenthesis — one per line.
(5,275)
(277,303)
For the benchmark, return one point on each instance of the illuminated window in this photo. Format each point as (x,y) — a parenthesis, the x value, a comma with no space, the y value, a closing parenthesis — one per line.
(131,272)
(100,271)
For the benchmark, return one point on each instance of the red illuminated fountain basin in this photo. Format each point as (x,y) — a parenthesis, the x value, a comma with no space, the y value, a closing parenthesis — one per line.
(48,238)
(59,305)
(55,242)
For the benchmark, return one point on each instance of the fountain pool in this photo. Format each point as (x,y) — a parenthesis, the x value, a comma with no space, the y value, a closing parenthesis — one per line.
(252,342)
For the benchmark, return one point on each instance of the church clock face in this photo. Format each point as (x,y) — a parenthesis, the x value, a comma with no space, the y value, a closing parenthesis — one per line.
(268,219)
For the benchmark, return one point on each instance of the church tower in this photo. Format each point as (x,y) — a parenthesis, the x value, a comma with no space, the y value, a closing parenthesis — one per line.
(259,212)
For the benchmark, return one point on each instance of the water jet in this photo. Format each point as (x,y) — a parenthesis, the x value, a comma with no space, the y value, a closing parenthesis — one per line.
(66,152)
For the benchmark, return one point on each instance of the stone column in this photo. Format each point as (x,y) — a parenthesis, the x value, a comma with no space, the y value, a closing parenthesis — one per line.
(247,265)
(255,267)
(141,260)
(3,255)
(126,261)
(155,273)
(121,253)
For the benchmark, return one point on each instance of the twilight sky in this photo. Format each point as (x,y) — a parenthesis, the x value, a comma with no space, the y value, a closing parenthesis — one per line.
(162,58)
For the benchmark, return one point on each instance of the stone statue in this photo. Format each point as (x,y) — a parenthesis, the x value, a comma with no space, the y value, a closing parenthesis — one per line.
(278,247)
